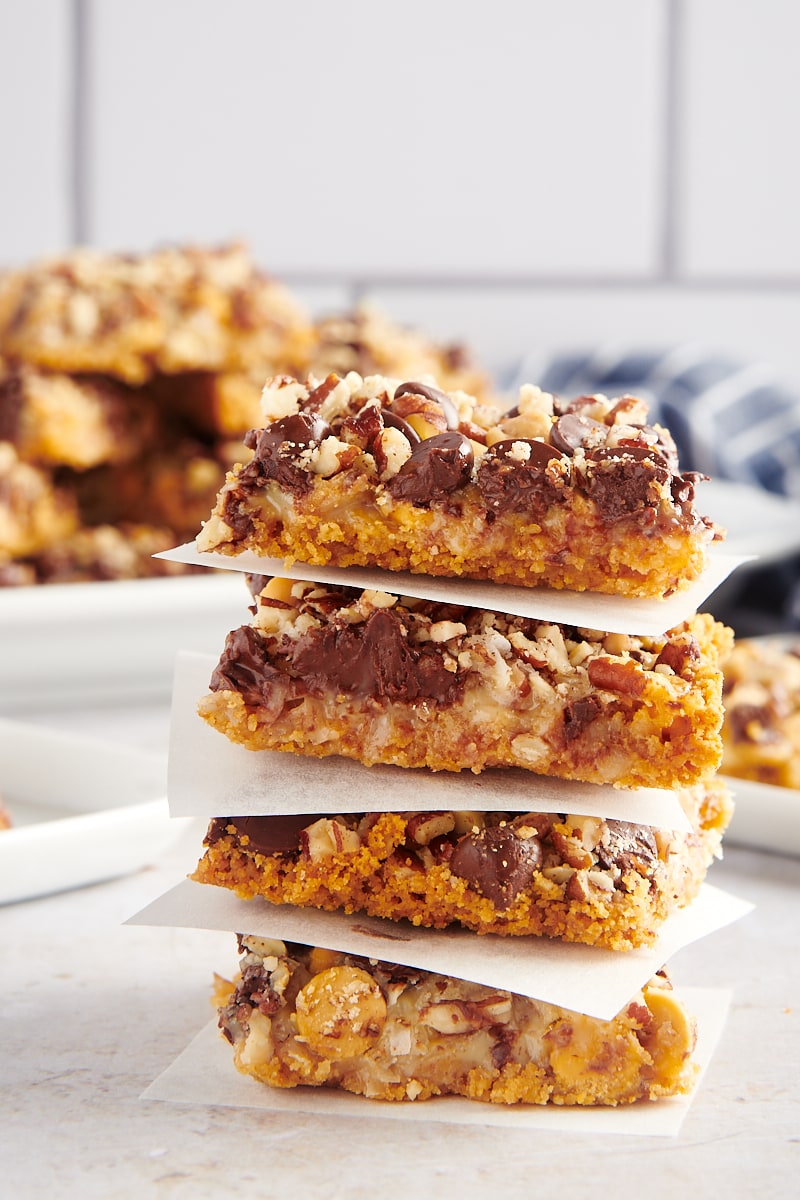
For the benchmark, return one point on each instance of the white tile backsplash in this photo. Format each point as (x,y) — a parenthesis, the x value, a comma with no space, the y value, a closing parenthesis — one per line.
(518,175)
(35,119)
(740,119)
(454,138)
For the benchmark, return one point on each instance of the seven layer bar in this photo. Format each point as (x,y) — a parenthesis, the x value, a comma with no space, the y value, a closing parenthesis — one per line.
(585,495)
(353,471)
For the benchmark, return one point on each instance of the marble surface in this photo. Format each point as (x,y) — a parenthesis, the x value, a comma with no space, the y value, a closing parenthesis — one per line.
(94,1010)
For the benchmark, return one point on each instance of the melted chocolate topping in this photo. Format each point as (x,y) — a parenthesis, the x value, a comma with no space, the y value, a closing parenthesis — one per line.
(509,484)
(623,480)
(244,667)
(627,846)
(496,863)
(370,659)
(626,480)
(437,466)
(373,659)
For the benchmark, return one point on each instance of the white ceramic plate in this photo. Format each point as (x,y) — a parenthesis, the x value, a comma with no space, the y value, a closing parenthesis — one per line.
(765,817)
(82,811)
(84,642)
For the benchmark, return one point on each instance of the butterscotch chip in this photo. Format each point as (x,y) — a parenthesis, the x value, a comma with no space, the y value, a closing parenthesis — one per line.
(580,879)
(374,472)
(761,733)
(432,1035)
(340,1012)
(133,316)
(383,679)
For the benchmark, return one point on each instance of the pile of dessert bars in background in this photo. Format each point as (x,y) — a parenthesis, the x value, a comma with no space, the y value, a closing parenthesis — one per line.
(467,635)
(127,384)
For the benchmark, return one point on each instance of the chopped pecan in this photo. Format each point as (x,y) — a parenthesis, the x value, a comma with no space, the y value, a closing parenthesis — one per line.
(614,676)
(680,655)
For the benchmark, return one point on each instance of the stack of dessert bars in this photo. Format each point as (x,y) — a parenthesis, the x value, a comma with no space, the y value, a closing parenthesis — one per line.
(474,721)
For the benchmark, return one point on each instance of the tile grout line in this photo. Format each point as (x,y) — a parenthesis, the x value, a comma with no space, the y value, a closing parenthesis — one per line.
(671,129)
(79,124)
(358,286)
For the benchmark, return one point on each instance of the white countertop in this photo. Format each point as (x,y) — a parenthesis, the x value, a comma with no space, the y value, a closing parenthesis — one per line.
(93,1011)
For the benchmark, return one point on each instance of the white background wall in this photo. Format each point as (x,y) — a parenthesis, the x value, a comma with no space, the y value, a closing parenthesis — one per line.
(519,173)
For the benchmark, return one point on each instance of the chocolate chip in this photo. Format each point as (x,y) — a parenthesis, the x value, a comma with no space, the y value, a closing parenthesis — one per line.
(626,481)
(496,863)
(256,583)
(297,430)
(391,418)
(636,451)
(540,453)
(438,466)
(276,449)
(627,846)
(431,393)
(509,483)
(573,430)
(578,715)
(273,835)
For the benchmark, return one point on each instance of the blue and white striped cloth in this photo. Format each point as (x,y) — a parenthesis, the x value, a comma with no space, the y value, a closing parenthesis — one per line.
(736,421)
